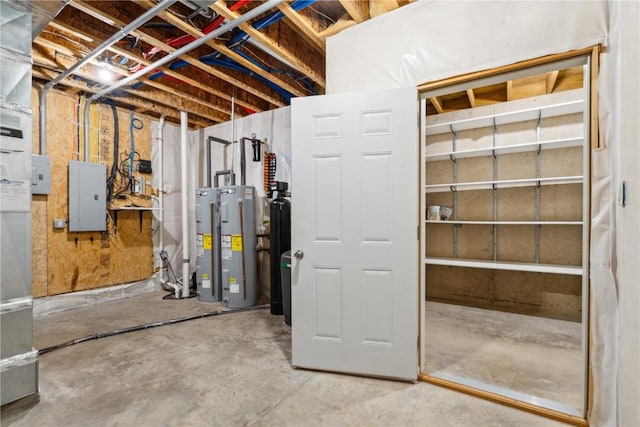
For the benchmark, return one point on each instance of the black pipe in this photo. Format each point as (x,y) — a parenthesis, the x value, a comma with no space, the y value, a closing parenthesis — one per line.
(242,162)
(146,326)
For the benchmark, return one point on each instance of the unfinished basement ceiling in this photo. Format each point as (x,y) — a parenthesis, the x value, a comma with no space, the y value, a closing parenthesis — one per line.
(262,64)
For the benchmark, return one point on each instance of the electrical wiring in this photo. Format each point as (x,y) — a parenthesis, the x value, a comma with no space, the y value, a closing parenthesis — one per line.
(134,124)
(144,326)
(116,148)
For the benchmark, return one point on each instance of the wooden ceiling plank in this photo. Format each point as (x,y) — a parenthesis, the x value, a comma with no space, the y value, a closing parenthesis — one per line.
(158,96)
(111,20)
(342,24)
(510,90)
(472,97)
(64,50)
(304,26)
(551,79)
(357,9)
(437,104)
(134,57)
(48,75)
(220,8)
(187,28)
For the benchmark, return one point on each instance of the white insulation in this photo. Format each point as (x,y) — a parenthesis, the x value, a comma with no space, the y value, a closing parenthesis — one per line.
(273,127)
(432,40)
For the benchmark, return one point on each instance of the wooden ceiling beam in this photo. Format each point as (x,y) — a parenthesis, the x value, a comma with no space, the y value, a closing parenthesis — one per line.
(170,100)
(304,26)
(510,90)
(64,50)
(48,75)
(187,28)
(220,8)
(357,9)
(108,18)
(472,98)
(342,24)
(437,104)
(86,32)
(550,80)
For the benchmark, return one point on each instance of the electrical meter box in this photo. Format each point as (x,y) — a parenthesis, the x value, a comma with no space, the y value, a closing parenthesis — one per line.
(87,196)
(40,175)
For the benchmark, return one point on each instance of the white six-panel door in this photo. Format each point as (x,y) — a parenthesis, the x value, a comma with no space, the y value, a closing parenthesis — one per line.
(354,227)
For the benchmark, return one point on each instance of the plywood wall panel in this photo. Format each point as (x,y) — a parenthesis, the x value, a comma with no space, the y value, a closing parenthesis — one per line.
(39,238)
(548,295)
(68,262)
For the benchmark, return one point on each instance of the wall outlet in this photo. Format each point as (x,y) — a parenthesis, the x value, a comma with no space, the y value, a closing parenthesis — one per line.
(59,223)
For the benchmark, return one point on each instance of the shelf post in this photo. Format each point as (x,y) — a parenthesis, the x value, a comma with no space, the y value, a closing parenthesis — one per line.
(455,193)
(495,191)
(538,226)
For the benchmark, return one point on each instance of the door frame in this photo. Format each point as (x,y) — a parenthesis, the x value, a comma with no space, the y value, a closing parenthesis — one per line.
(591,126)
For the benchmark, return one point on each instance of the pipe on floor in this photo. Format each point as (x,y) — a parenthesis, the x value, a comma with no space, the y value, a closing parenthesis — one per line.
(186,240)
(147,326)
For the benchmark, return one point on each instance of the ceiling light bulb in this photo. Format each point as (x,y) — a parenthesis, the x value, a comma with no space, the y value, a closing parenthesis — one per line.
(105,74)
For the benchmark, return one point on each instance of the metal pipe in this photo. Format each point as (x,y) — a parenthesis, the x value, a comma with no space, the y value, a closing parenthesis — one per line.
(91,56)
(87,106)
(208,151)
(161,188)
(233,132)
(253,13)
(43,120)
(243,163)
(186,239)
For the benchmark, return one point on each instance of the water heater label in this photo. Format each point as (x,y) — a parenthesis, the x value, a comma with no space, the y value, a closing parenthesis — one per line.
(248,193)
(234,287)
(226,246)
(206,242)
(236,242)
(206,284)
(199,240)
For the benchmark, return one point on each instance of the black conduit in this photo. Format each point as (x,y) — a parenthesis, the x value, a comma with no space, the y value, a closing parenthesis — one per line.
(146,326)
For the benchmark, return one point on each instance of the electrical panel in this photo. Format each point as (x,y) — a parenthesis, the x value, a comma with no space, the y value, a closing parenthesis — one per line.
(87,196)
(40,175)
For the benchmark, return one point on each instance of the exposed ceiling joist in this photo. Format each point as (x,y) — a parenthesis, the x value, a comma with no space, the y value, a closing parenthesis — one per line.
(303,25)
(436,104)
(149,107)
(118,21)
(193,77)
(59,61)
(189,29)
(63,49)
(342,24)
(551,79)
(472,97)
(357,9)
(220,8)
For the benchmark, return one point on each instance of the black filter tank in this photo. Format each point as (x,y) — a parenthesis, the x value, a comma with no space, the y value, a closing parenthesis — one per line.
(280,214)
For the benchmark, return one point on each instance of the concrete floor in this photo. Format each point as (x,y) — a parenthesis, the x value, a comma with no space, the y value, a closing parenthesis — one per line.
(534,355)
(229,370)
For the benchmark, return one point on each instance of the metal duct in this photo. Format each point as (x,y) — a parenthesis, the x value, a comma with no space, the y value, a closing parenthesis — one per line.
(44,11)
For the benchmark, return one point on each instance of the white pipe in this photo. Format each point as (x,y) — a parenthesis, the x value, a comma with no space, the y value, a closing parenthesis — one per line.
(186,238)
(233,135)
(161,190)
